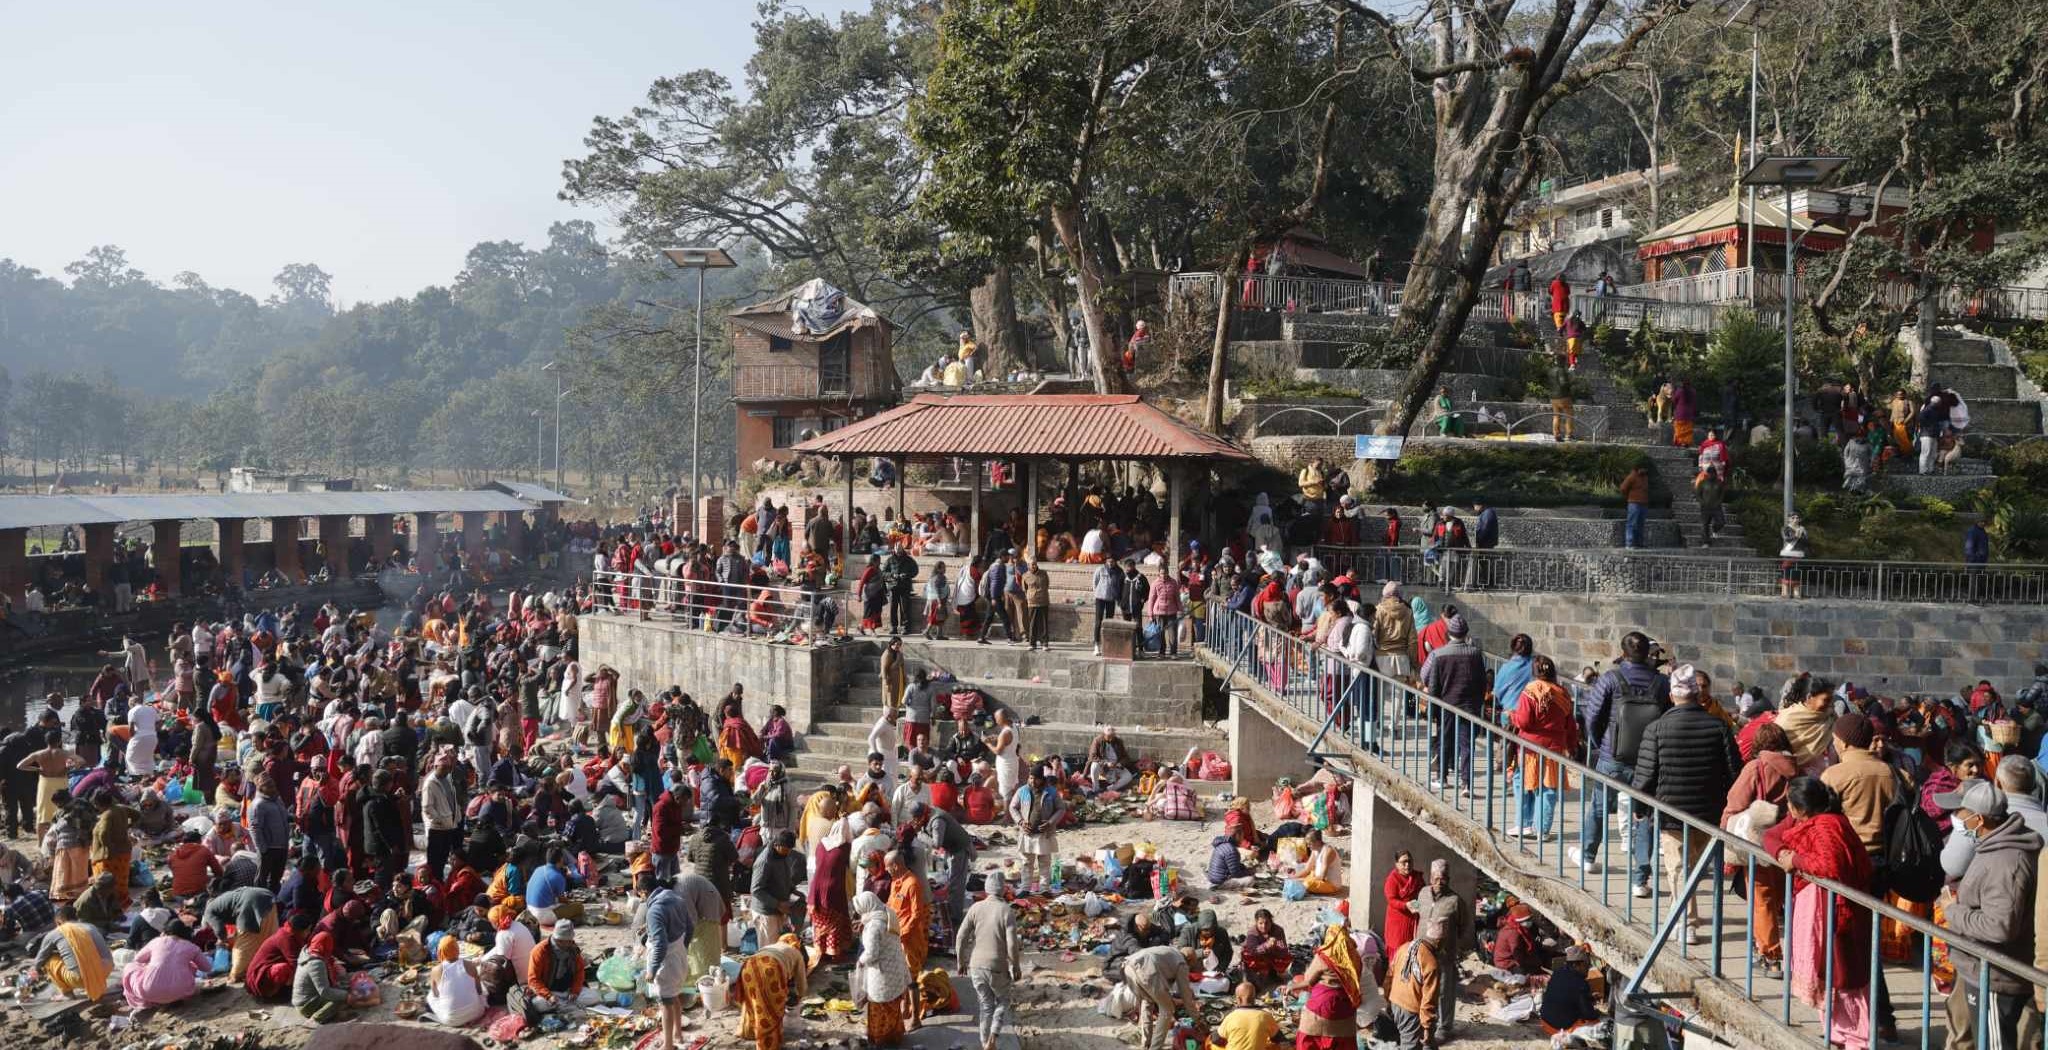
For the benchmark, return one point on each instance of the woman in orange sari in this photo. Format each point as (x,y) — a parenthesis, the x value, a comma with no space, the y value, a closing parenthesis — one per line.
(764,986)
(911,900)
(1329,1017)
(737,740)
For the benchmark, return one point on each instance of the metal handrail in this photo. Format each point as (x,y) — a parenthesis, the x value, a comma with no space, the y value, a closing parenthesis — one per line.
(1377,729)
(708,605)
(1639,571)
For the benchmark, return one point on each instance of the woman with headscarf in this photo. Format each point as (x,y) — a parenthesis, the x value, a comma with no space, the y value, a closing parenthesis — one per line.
(513,941)
(454,996)
(320,984)
(1265,953)
(66,844)
(873,594)
(1259,525)
(1207,937)
(1402,886)
(1543,716)
(347,929)
(270,972)
(1514,674)
(1329,1016)
(882,975)
(166,970)
(830,889)
(764,986)
(1830,944)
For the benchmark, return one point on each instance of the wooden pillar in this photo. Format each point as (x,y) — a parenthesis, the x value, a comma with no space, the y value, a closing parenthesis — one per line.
(229,534)
(334,543)
(472,525)
(515,532)
(1074,523)
(377,531)
(14,578)
(284,546)
(165,549)
(1175,482)
(426,543)
(846,515)
(902,487)
(1029,542)
(99,553)
(974,514)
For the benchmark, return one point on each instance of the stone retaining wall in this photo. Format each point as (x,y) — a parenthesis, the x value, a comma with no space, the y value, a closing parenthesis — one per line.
(653,655)
(1762,641)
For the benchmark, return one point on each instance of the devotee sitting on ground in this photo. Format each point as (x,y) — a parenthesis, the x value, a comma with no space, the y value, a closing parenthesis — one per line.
(1266,956)
(270,973)
(1226,867)
(1173,799)
(1568,1012)
(320,984)
(454,996)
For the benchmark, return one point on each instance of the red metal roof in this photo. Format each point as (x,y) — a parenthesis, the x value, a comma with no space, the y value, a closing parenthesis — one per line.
(1024,426)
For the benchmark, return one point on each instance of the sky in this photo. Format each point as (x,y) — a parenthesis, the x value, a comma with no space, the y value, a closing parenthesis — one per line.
(378,139)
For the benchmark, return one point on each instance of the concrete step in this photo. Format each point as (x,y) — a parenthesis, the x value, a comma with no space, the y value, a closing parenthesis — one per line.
(2004,415)
(847,742)
(1976,381)
(1959,350)
(1058,703)
(1946,487)
(1072,666)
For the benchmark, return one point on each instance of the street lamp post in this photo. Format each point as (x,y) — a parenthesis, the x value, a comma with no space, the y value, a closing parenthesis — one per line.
(1786,173)
(539,461)
(700,260)
(559,393)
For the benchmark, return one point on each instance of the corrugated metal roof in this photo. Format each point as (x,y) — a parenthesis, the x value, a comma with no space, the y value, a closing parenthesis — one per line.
(27,512)
(530,492)
(1047,426)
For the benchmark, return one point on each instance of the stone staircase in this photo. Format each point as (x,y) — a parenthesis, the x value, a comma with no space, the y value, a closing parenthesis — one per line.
(2002,406)
(1156,705)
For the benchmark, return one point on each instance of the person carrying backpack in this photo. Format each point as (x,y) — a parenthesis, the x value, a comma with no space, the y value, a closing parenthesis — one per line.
(1613,715)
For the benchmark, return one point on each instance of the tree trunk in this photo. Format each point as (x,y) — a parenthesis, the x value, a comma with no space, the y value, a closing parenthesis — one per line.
(1103,362)
(1226,299)
(993,309)
(1924,329)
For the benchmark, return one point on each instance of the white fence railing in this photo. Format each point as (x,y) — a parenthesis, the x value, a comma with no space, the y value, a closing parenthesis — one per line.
(745,609)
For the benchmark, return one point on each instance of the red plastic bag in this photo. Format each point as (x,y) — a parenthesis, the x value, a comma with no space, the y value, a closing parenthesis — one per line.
(1214,767)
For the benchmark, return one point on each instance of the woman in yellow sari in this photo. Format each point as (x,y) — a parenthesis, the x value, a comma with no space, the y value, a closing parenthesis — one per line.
(75,957)
(763,990)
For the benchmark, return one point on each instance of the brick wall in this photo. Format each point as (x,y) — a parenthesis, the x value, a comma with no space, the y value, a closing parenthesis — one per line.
(1762,641)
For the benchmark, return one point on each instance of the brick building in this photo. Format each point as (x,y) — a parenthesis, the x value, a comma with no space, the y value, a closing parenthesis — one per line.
(809,360)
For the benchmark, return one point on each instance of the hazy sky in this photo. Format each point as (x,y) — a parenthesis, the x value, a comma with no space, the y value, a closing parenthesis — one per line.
(378,139)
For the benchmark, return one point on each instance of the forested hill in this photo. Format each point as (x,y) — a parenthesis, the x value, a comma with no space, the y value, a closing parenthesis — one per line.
(106,364)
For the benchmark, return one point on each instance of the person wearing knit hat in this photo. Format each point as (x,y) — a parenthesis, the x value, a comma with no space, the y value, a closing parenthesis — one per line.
(1392,589)
(1687,762)
(1865,782)
(1684,683)
(564,932)
(1456,626)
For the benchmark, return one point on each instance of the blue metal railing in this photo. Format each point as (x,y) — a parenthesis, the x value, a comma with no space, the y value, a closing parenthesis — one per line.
(1429,742)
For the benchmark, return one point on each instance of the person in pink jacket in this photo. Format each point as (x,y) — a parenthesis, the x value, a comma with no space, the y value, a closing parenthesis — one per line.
(166,970)
(1162,604)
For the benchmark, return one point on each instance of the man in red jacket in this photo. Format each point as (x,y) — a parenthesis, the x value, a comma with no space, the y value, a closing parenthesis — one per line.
(1560,301)
(665,835)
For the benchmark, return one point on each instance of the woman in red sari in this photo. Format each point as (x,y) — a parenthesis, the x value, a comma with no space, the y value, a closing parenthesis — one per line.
(737,739)
(1403,885)
(1329,1017)
(1816,840)
(830,894)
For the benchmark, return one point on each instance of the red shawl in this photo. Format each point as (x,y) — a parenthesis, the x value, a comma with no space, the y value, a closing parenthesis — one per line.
(1826,847)
(737,735)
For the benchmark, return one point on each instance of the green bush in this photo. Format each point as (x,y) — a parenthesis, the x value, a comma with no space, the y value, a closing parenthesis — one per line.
(2019,530)
(2027,460)
(1517,475)
(1816,464)
(1282,389)
(1383,349)
(1752,356)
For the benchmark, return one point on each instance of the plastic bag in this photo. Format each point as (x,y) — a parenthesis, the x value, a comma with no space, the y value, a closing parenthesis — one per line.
(363,990)
(1120,1004)
(618,973)
(1293,890)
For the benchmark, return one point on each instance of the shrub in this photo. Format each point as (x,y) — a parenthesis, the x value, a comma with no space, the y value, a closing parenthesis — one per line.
(2019,530)
(2027,460)
(1282,389)
(1749,354)
(1816,464)
(1384,350)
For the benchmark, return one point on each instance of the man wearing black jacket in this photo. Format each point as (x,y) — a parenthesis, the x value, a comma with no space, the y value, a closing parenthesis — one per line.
(899,571)
(1687,762)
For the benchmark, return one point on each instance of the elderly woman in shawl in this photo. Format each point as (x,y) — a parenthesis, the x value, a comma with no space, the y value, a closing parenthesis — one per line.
(74,956)
(882,976)
(764,986)
(65,843)
(830,889)
(1431,630)
(1329,1017)
(1816,840)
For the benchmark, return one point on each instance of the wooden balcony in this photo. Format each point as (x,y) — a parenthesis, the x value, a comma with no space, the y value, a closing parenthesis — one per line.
(867,381)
